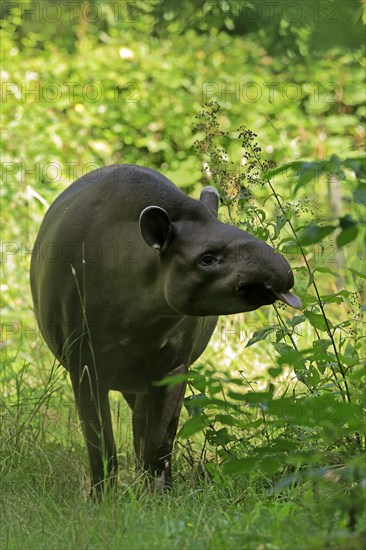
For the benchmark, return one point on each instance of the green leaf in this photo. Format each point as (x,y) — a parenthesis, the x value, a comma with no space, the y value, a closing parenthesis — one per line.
(260,335)
(308,172)
(346,221)
(317,320)
(360,193)
(314,233)
(194,425)
(337,298)
(261,234)
(311,376)
(332,299)
(326,270)
(322,345)
(357,164)
(270,465)
(252,397)
(239,465)
(281,445)
(213,470)
(280,169)
(280,223)
(292,357)
(358,374)
(176,379)
(282,348)
(226,419)
(198,381)
(218,438)
(195,404)
(197,401)
(296,320)
(347,235)
(259,397)
(357,273)
(275,371)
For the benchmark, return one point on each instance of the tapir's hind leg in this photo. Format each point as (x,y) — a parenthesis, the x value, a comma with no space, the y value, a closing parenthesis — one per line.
(95,417)
(138,404)
(140,426)
(163,406)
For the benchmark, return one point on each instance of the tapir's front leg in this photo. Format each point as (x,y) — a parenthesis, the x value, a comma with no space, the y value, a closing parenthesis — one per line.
(163,409)
(95,417)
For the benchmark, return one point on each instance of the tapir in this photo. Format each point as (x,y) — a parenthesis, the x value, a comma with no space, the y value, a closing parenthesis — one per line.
(128,278)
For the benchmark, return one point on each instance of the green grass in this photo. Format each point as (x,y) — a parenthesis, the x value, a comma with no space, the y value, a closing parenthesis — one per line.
(52,512)
(45,484)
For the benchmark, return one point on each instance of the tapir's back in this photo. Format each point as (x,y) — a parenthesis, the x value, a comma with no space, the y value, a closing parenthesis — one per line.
(120,190)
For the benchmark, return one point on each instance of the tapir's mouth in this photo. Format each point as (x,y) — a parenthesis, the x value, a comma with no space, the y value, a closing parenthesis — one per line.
(259,295)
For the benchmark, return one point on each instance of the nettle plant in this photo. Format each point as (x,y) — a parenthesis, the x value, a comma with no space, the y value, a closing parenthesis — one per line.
(312,420)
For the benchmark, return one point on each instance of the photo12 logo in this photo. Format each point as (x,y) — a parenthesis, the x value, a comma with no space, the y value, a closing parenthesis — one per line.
(34,91)
(72,11)
(269,11)
(252,92)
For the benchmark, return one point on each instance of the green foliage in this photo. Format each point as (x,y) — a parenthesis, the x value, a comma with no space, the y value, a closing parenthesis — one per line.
(82,113)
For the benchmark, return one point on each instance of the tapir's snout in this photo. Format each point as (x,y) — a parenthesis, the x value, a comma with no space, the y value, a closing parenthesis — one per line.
(272,281)
(281,290)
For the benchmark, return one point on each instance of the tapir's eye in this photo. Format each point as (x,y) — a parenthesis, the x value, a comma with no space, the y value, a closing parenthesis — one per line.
(208,260)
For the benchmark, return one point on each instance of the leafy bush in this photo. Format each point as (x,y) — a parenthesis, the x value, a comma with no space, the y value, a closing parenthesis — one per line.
(306,418)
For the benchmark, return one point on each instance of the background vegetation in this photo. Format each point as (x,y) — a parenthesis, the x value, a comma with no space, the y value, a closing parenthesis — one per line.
(271,451)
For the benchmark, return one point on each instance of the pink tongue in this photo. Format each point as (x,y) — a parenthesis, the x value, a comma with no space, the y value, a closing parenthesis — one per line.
(289,298)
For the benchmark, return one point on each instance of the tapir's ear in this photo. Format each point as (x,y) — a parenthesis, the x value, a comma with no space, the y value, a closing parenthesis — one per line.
(210,198)
(154,226)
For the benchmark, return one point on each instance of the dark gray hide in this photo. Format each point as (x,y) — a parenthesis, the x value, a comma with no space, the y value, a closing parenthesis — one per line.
(128,276)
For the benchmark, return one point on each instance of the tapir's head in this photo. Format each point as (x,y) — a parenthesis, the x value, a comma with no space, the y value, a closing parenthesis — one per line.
(212,268)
